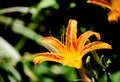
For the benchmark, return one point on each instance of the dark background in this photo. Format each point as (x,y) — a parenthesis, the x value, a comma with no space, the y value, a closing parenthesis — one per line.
(86,14)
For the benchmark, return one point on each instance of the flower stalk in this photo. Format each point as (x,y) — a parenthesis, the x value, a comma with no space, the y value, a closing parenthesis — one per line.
(84,77)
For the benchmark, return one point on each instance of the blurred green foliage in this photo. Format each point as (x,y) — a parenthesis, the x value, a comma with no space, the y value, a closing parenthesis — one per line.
(21,28)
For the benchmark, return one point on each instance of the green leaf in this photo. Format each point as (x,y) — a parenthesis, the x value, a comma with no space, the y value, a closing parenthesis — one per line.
(12,71)
(46,79)
(11,79)
(9,52)
(44,4)
(16,9)
(115,77)
(30,73)
(21,29)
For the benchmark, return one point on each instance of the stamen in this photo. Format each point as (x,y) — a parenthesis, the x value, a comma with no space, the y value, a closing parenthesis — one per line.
(63,35)
(50,33)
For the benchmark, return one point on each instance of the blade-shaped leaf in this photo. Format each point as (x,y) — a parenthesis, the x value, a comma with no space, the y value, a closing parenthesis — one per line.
(8,51)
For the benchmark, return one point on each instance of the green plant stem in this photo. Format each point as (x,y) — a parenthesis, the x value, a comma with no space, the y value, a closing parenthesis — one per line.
(96,57)
(21,43)
(84,77)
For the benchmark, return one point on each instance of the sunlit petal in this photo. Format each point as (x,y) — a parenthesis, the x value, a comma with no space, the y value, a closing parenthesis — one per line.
(52,44)
(95,45)
(113,16)
(104,3)
(77,63)
(83,38)
(71,32)
(40,57)
(113,5)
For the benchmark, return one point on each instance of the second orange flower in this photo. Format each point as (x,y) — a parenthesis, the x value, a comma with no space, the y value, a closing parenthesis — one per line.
(113,5)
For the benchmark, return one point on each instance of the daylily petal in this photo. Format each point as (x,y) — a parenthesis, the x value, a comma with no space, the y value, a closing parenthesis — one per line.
(104,3)
(113,16)
(40,57)
(95,45)
(71,33)
(113,5)
(77,63)
(83,38)
(52,44)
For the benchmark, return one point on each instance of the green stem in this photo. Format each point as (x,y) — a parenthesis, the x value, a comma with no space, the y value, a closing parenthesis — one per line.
(21,43)
(96,57)
(83,75)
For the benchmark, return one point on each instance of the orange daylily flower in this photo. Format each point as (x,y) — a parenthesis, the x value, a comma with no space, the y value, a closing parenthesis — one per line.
(70,53)
(113,5)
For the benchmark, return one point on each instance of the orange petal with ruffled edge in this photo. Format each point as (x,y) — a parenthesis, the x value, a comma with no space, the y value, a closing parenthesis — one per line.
(113,5)
(94,46)
(40,57)
(113,16)
(104,3)
(52,44)
(71,33)
(83,38)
